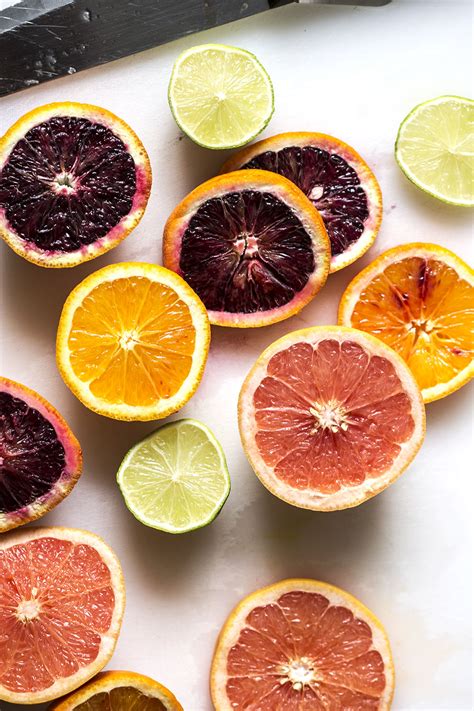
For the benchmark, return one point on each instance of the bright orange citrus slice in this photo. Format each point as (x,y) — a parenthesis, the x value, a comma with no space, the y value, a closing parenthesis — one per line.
(419,299)
(302,645)
(62,599)
(132,341)
(120,691)
(329,417)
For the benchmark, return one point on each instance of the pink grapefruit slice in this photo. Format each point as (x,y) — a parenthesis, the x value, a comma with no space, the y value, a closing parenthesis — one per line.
(302,645)
(62,599)
(329,417)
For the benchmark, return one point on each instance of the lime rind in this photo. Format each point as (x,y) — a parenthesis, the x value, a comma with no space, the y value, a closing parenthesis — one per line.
(246,136)
(161,496)
(427,187)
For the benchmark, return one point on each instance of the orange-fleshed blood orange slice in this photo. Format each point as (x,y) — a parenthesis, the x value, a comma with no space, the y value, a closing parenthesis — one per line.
(330,416)
(302,645)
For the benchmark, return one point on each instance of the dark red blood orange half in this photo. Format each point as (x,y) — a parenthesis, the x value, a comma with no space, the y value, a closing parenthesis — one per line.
(74,181)
(40,459)
(329,417)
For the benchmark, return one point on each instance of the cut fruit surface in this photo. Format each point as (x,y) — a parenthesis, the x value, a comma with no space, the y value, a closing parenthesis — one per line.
(40,459)
(176,479)
(132,341)
(435,148)
(302,645)
(61,605)
(251,245)
(119,691)
(419,299)
(220,96)
(74,181)
(333,176)
(329,417)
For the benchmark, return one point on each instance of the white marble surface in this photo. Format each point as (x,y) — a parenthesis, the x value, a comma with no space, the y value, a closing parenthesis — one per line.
(353,73)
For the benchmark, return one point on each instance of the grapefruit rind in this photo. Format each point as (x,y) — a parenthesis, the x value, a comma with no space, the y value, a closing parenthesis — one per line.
(57,259)
(72,451)
(165,406)
(109,639)
(284,190)
(346,497)
(414,249)
(232,627)
(330,144)
(109,680)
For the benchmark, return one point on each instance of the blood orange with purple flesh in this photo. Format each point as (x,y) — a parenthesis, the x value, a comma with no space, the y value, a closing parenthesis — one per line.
(74,181)
(329,417)
(40,459)
(251,245)
(62,599)
(302,645)
(333,176)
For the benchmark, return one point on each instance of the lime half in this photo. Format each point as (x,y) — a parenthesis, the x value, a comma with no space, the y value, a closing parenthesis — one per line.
(176,479)
(220,96)
(435,148)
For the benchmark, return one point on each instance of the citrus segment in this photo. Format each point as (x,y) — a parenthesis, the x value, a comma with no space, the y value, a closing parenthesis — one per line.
(302,645)
(329,417)
(419,299)
(333,176)
(132,341)
(61,606)
(220,96)
(251,245)
(40,459)
(176,479)
(74,181)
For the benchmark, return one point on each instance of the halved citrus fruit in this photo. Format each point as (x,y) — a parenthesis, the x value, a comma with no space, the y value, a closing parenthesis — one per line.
(251,245)
(119,691)
(329,417)
(333,176)
(132,341)
(62,599)
(302,645)
(40,459)
(419,299)
(74,181)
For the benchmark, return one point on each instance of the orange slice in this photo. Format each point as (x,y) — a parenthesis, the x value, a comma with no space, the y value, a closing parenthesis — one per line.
(132,341)
(302,645)
(329,417)
(120,691)
(62,599)
(419,299)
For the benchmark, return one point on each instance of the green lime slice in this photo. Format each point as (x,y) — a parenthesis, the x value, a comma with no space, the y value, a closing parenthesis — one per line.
(176,479)
(220,96)
(435,148)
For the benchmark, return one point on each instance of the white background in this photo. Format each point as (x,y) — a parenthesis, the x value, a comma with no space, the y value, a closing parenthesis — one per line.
(353,73)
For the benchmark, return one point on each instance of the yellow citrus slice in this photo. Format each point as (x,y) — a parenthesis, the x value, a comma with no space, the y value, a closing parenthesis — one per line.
(419,299)
(302,645)
(132,341)
(120,691)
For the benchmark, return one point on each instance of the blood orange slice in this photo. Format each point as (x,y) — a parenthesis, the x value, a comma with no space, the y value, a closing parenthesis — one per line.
(302,645)
(61,605)
(330,416)
(251,245)
(40,459)
(334,177)
(74,181)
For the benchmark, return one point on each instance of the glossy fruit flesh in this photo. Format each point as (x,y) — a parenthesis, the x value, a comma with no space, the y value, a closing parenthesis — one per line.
(422,309)
(245,252)
(56,603)
(122,698)
(302,653)
(331,184)
(67,183)
(330,415)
